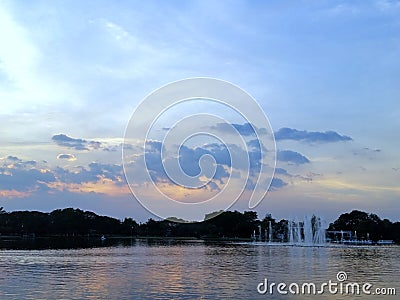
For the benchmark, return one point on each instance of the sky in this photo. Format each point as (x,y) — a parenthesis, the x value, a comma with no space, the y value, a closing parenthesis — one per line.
(325,73)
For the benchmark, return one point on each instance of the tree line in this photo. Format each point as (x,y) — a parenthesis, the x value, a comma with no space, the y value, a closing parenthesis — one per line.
(225,225)
(367,226)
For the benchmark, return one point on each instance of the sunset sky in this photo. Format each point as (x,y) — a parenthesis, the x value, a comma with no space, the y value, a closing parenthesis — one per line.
(326,73)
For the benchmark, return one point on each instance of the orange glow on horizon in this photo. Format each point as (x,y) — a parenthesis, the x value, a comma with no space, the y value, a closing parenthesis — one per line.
(102,186)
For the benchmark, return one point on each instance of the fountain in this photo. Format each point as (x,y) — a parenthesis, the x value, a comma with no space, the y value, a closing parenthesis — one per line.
(306,232)
(270,232)
(300,232)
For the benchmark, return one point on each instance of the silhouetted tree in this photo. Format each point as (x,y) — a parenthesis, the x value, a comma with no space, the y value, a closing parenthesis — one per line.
(366,225)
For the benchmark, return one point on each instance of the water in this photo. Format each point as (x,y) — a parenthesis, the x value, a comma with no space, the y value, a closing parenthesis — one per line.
(140,269)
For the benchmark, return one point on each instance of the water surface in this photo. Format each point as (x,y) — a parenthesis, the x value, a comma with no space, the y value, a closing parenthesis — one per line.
(140,269)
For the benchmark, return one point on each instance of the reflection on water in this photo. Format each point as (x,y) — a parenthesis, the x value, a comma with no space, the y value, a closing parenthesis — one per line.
(151,269)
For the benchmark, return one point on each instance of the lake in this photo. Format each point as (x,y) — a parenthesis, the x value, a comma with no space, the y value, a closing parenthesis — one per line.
(185,269)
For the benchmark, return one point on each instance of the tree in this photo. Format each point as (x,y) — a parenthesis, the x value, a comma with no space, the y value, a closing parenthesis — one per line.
(129,227)
(367,226)
(265,224)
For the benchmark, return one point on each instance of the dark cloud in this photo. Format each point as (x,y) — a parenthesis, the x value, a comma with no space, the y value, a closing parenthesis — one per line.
(22,176)
(255,144)
(13,158)
(220,174)
(92,173)
(245,129)
(281,171)
(27,176)
(152,145)
(219,152)
(66,141)
(189,159)
(277,183)
(291,157)
(114,148)
(31,163)
(24,180)
(94,144)
(153,160)
(18,163)
(310,136)
(113,172)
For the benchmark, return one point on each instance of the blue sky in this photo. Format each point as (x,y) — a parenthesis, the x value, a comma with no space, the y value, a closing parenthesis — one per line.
(326,73)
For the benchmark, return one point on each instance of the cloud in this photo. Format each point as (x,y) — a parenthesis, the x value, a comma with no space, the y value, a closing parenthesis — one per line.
(19,178)
(310,136)
(94,144)
(15,162)
(66,141)
(190,162)
(292,177)
(13,158)
(367,152)
(23,176)
(277,183)
(291,157)
(245,129)
(90,174)
(69,157)
(115,148)
(281,171)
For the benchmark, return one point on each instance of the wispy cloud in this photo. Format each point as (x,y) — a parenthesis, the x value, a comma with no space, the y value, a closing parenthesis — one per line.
(310,136)
(245,129)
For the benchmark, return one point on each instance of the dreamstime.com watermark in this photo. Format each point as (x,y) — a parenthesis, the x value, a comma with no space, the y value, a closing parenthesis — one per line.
(334,287)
